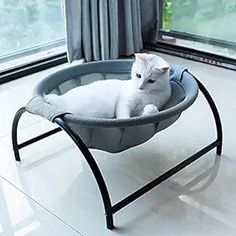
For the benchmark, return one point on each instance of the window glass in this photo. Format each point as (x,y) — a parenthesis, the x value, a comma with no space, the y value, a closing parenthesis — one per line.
(30,29)
(203,24)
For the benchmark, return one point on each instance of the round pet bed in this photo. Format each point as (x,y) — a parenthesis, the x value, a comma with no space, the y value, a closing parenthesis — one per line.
(113,135)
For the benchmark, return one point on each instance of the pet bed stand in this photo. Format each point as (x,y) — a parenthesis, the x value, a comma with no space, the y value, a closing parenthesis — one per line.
(111,209)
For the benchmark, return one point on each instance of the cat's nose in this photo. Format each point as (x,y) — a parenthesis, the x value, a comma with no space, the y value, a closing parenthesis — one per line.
(141,87)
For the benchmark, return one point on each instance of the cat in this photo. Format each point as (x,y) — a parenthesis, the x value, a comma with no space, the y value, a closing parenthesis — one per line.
(145,93)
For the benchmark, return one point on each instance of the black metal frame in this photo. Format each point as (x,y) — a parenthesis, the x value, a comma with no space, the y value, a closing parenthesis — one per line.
(192,54)
(32,67)
(197,38)
(110,209)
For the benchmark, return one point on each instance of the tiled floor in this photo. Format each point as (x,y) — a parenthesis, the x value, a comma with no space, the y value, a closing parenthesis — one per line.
(52,192)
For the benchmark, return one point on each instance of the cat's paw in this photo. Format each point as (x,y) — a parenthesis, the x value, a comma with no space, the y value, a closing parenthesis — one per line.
(150,109)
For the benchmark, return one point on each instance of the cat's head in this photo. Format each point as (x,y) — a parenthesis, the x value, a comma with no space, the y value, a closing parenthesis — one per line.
(149,71)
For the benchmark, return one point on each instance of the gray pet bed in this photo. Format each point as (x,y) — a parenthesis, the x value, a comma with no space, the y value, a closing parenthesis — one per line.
(114,135)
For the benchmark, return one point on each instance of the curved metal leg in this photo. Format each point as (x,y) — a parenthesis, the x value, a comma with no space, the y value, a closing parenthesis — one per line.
(94,167)
(215,114)
(14,132)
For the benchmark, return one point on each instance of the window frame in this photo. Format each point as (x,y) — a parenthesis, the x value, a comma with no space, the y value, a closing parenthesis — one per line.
(190,53)
(32,67)
(160,46)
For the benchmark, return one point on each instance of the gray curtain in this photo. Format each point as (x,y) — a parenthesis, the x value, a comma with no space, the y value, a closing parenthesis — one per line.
(151,22)
(105,29)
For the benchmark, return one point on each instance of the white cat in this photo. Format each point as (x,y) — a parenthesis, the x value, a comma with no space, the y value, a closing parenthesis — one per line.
(147,91)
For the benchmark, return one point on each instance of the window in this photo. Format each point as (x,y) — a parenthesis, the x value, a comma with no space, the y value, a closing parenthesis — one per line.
(206,25)
(30,29)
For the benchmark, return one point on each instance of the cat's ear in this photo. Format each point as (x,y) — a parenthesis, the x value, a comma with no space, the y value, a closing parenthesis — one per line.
(161,65)
(141,57)
(164,69)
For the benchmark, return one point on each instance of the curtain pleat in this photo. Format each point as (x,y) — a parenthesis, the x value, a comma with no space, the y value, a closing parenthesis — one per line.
(104,29)
(113,25)
(150,22)
(136,25)
(127,35)
(95,30)
(130,26)
(86,30)
(139,23)
(73,29)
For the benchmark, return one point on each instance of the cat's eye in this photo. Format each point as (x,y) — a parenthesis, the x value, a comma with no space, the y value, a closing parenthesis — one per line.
(151,81)
(138,76)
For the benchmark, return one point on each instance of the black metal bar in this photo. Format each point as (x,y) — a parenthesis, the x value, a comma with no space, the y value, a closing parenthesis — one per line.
(94,168)
(197,38)
(15,144)
(215,114)
(32,67)
(192,54)
(162,178)
(14,132)
(37,138)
